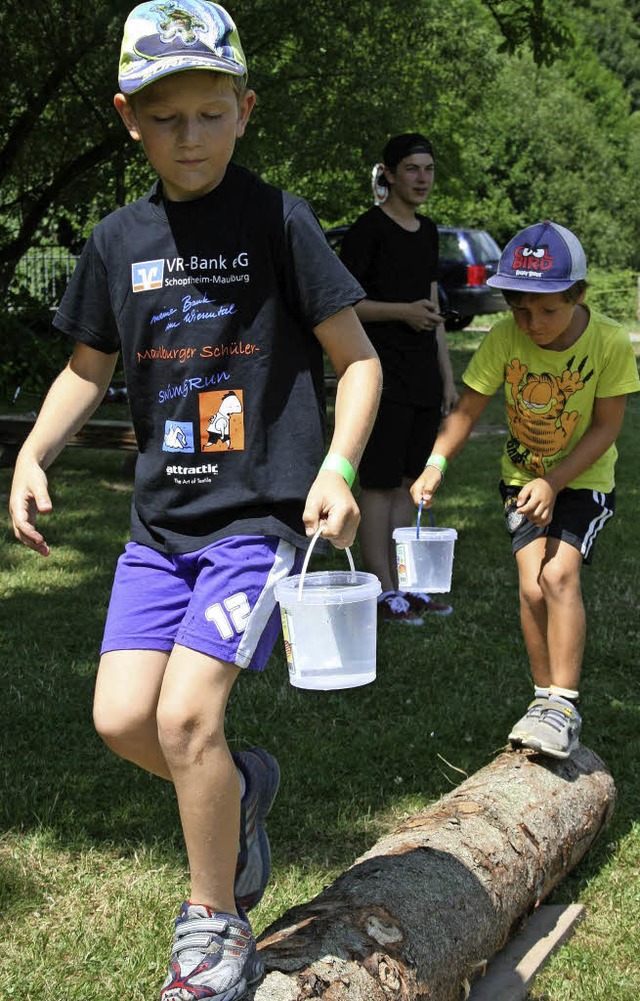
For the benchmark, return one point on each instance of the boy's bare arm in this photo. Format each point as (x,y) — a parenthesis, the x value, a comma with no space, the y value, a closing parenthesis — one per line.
(72,399)
(356,364)
(455,432)
(537,498)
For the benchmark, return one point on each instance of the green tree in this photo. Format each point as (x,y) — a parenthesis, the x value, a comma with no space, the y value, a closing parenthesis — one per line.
(533,24)
(353,75)
(559,141)
(613,32)
(55,121)
(334,79)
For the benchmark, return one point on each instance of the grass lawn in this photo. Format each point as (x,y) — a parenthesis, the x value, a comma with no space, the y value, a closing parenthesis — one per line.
(92,867)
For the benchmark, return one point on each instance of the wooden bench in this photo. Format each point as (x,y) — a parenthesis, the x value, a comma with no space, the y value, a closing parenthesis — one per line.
(14,428)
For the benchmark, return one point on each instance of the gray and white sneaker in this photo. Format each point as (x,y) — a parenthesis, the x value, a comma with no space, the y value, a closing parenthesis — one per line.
(522,728)
(557,731)
(213,957)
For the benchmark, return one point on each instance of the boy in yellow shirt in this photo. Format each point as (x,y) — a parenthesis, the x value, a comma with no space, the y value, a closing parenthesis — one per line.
(566,372)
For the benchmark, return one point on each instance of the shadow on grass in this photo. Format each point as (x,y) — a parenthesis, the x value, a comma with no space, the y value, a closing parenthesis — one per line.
(353,762)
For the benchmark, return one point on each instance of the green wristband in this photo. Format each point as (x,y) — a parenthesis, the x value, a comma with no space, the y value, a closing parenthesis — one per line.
(337,464)
(438,462)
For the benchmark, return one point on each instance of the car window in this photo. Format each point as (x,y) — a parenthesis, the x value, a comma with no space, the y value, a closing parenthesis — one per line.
(450,249)
(484,247)
(473,246)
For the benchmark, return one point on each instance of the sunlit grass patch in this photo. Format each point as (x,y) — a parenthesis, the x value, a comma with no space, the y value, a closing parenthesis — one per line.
(92,863)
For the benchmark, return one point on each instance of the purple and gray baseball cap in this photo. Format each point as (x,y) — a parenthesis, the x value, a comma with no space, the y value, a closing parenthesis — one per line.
(544,257)
(168,36)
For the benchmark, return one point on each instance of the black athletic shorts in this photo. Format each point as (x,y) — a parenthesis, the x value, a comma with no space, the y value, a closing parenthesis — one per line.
(400,444)
(578,518)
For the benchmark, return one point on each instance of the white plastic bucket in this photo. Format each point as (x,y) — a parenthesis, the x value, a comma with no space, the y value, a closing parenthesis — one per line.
(329,624)
(424,558)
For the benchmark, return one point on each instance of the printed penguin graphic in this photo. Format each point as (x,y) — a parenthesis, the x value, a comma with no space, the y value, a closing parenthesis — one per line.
(539,421)
(219,428)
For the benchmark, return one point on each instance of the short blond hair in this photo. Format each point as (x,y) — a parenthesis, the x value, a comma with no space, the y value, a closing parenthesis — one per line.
(238,85)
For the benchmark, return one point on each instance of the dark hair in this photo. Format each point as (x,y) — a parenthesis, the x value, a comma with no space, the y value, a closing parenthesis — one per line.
(571,294)
(404,145)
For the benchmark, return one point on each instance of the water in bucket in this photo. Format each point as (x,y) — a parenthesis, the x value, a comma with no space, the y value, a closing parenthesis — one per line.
(425,562)
(329,624)
(424,557)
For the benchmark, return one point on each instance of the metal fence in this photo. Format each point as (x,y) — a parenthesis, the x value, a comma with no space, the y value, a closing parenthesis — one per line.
(42,275)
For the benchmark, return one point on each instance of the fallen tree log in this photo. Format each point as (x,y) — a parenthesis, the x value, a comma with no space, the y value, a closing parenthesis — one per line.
(420,914)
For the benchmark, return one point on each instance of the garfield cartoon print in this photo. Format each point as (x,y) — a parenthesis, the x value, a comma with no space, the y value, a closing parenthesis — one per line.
(539,417)
(565,371)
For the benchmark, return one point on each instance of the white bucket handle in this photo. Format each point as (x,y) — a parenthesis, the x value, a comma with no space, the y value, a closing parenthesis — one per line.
(308,557)
(431,518)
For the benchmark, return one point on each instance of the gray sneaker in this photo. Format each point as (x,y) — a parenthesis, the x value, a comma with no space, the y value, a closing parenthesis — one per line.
(213,956)
(262,778)
(522,729)
(557,731)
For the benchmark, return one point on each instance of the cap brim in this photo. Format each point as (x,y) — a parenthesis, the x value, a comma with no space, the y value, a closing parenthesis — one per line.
(530,284)
(134,82)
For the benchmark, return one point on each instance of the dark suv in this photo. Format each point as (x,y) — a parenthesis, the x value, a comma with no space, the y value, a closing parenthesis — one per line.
(467,258)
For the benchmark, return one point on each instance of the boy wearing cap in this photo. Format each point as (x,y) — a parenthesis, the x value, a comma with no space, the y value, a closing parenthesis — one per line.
(566,372)
(392,250)
(221,293)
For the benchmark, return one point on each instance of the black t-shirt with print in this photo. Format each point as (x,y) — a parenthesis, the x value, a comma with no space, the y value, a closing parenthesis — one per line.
(396,265)
(212,304)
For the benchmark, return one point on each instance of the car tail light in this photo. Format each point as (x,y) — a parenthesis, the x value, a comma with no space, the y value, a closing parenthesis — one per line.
(476,274)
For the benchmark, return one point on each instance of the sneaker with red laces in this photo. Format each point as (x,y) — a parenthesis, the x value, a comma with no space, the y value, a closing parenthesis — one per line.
(421,603)
(394,607)
(213,957)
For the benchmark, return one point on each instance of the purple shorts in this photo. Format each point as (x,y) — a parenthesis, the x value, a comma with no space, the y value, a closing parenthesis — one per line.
(219,600)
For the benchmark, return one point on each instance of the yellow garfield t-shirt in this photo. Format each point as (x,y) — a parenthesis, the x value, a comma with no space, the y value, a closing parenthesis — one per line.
(549,395)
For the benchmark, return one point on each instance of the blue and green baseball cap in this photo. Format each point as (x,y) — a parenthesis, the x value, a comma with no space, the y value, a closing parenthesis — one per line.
(545,257)
(169,36)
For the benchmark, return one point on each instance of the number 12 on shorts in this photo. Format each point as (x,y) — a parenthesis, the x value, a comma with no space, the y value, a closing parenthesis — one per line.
(232,618)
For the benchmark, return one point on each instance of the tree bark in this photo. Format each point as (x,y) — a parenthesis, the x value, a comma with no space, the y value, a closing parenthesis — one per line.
(420,914)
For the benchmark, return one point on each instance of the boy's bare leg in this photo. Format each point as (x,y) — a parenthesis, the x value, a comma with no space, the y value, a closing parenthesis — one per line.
(374,533)
(191,712)
(552,612)
(150,707)
(382,511)
(533,611)
(125,704)
(566,619)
